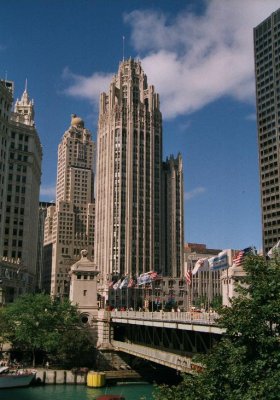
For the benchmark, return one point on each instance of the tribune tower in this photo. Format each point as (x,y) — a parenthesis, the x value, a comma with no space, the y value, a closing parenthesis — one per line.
(128,181)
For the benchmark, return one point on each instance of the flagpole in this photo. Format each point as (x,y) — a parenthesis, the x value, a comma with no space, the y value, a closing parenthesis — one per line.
(134,295)
(127,297)
(191,293)
(199,287)
(227,288)
(162,295)
(210,283)
(152,296)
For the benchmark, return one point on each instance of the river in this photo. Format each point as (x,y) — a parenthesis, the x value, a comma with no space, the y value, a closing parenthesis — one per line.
(77,392)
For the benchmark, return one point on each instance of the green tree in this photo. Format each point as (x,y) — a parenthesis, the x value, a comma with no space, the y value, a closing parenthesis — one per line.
(216,302)
(36,322)
(75,349)
(245,364)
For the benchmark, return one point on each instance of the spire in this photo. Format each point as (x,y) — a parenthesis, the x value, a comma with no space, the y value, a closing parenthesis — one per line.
(123,38)
(24,108)
(25,98)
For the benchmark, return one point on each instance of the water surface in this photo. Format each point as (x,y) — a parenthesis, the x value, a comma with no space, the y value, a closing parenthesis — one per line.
(77,392)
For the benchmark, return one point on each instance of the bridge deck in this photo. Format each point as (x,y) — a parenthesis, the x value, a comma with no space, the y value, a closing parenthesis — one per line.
(192,321)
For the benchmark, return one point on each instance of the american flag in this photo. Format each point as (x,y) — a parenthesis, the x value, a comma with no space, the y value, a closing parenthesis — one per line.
(153,275)
(239,259)
(188,277)
(131,282)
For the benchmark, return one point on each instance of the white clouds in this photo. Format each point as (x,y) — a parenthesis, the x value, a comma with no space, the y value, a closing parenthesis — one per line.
(194,193)
(195,59)
(48,192)
(87,87)
(191,59)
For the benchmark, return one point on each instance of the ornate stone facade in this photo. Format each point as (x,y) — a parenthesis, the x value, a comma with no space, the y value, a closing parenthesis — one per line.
(128,183)
(69,226)
(21,181)
(173,217)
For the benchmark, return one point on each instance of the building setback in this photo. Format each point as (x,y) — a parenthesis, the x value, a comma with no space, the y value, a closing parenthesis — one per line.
(128,181)
(21,156)
(267,71)
(69,225)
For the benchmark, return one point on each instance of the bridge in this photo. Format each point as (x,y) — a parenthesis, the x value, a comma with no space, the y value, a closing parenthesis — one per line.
(167,338)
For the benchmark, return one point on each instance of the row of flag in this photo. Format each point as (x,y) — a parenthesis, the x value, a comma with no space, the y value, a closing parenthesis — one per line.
(127,282)
(275,251)
(221,261)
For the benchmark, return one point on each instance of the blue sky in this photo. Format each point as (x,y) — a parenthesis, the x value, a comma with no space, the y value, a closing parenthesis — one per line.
(199,56)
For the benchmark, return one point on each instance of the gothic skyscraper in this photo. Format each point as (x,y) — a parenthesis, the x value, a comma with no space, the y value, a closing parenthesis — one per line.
(20,184)
(172,216)
(128,182)
(69,226)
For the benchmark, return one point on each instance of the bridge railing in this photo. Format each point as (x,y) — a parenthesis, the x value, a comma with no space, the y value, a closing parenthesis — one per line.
(183,317)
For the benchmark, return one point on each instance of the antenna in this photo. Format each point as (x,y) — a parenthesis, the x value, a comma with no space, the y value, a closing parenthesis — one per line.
(123,39)
(6,75)
(25,89)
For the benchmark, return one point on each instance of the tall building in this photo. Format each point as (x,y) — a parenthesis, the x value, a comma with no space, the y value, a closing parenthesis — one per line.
(6,101)
(69,225)
(21,176)
(128,181)
(267,71)
(43,206)
(173,217)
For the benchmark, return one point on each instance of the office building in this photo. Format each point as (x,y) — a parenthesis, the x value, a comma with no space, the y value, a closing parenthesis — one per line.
(128,181)
(20,175)
(69,225)
(267,71)
(21,182)
(205,284)
(6,101)
(43,206)
(172,217)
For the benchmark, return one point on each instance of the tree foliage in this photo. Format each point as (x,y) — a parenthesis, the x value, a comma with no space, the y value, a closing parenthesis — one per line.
(245,364)
(36,322)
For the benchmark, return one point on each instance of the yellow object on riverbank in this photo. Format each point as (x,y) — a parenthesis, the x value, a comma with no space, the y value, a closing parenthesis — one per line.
(96,379)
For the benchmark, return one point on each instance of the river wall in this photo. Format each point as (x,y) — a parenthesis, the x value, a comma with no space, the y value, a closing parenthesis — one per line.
(63,377)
